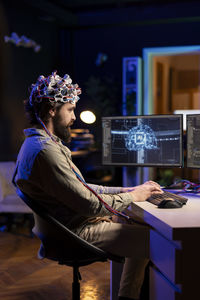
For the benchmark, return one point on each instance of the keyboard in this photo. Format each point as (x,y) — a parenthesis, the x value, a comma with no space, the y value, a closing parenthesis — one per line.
(158,198)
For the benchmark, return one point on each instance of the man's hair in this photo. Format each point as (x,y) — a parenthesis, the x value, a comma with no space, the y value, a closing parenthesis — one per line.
(47,93)
(41,109)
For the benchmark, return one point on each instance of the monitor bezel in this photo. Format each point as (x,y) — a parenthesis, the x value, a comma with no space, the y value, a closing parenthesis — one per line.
(181,162)
(187,133)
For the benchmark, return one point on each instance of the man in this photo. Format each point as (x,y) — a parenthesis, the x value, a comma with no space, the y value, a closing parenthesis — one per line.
(45,171)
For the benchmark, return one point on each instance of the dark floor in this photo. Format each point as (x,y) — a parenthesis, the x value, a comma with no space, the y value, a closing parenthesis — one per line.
(24,277)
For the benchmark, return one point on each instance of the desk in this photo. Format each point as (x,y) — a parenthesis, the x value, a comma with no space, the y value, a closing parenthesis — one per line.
(174,250)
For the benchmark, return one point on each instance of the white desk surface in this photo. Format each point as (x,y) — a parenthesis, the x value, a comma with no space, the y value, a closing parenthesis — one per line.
(173,223)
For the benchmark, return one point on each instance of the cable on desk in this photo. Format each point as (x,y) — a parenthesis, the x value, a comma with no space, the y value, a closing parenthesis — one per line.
(188,186)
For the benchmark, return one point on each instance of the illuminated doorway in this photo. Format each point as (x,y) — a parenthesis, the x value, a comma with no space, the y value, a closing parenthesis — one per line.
(171,82)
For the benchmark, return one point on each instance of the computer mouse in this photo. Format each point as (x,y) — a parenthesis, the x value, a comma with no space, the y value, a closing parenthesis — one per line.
(170,204)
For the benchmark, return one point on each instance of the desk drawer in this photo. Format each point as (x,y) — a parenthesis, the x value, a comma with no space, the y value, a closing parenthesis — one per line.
(161,288)
(166,256)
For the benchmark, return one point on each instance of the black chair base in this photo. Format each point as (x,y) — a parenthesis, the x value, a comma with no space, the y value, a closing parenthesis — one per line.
(76,283)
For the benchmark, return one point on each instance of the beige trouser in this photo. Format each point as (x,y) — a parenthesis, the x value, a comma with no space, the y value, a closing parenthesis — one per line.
(128,240)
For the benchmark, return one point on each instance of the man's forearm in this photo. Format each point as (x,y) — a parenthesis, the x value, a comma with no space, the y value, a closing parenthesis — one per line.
(100,189)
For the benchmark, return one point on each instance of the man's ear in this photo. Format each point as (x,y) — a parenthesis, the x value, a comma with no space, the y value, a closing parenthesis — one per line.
(52,112)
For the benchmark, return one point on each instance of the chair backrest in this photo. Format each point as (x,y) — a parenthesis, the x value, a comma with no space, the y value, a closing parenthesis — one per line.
(60,243)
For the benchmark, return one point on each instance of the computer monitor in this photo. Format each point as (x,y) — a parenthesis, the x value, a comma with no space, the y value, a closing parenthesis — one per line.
(154,140)
(186,112)
(193,141)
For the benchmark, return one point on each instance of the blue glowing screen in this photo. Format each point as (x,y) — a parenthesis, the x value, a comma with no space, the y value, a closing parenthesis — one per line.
(154,140)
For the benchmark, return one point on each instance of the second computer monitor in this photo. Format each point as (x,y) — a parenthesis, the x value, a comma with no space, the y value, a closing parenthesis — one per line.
(193,141)
(154,140)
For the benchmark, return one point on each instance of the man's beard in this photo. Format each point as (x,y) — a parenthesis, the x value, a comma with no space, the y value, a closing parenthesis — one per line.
(63,132)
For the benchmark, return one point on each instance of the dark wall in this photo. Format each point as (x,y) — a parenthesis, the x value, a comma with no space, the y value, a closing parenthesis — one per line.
(130,30)
(20,67)
(126,33)
(119,32)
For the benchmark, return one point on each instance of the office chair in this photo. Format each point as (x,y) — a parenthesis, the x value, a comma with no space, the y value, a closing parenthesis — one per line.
(60,244)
